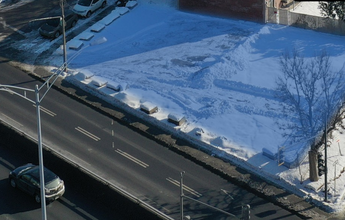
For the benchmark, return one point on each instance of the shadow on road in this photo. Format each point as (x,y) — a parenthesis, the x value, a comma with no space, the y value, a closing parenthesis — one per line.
(83,192)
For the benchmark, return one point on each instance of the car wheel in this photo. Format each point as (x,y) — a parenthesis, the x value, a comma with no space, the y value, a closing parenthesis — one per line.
(88,14)
(104,4)
(57,34)
(37,198)
(13,183)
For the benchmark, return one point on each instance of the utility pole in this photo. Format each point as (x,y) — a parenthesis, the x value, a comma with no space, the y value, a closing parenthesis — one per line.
(63,35)
(181,195)
(40,154)
(326,172)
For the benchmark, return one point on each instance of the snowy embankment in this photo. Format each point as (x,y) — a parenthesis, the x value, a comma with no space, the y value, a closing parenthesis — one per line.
(219,74)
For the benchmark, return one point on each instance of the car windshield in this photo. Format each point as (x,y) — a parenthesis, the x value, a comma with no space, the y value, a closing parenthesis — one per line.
(52,184)
(49,177)
(85,2)
(54,22)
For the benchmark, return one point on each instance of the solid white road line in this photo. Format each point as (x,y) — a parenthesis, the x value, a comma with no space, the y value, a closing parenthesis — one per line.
(130,157)
(188,189)
(90,135)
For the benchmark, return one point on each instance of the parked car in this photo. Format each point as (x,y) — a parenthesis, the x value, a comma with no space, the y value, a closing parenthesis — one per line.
(121,3)
(52,28)
(84,8)
(27,178)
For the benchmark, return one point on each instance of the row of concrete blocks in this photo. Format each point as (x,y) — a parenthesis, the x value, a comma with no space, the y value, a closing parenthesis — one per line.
(150,108)
(87,35)
(99,84)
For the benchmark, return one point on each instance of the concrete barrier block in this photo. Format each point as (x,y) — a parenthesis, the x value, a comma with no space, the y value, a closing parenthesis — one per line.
(86,36)
(75,44)
(131,4)
(148,108)
(98,27)
(176,119)
(99,81)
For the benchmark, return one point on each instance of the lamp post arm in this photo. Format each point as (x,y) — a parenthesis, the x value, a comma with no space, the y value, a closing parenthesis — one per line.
(64,34)
(50,82)
(47,18)
(9,89)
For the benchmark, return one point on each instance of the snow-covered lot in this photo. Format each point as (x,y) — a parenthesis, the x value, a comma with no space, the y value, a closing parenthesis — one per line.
(219,74)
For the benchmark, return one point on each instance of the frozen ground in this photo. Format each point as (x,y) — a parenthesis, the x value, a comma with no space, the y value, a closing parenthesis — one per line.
(219,74)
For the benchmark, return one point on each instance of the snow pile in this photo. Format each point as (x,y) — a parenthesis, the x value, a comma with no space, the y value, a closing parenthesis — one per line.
(309,8)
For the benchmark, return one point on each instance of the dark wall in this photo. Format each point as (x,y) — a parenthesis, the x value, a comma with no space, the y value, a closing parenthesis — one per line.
(251,10)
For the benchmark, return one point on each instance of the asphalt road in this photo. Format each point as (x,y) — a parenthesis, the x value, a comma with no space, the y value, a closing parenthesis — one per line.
(123,157)
(114,152)
(85,197)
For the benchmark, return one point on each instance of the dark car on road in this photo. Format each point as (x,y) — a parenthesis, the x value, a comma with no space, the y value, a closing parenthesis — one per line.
(52,28)
(27,178)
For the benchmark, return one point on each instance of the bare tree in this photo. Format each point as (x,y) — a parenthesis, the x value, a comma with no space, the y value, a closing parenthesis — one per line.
(310,90)
(333,9)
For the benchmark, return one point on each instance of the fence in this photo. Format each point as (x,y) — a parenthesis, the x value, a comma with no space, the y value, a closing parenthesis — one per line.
(322,24)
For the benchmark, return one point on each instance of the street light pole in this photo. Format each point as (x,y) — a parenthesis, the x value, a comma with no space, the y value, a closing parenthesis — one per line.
(63,35)
(36,102)
(326,172)
(181,195)
(40,154)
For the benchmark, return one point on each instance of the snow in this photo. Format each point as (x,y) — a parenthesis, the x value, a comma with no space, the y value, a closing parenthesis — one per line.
(309,8)
(219,75)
